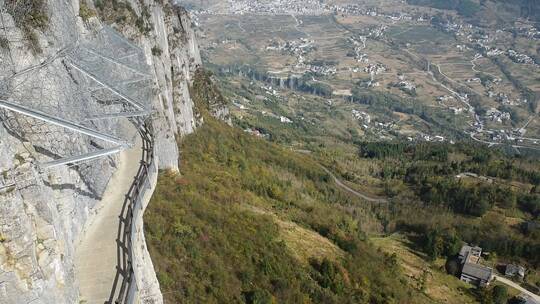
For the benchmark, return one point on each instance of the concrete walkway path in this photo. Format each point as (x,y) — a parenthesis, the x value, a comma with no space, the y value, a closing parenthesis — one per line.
(95,256)
(518,287)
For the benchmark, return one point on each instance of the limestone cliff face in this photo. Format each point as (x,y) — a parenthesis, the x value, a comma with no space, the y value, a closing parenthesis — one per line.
(176,58)
(43,216)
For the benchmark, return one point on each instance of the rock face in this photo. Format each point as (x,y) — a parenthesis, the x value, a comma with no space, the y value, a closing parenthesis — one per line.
(42,216)
(174,66)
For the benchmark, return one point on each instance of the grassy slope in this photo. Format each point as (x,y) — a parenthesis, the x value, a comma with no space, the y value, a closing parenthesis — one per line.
(430,277)
(239,226)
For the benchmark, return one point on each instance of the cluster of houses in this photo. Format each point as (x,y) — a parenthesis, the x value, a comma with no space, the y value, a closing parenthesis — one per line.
(270,91)
(529,31)
(361,10)
(377,31)
(462,47)
(484,40)
(501,135)
(519,58)
(473,34)
(274,7)
(375,68)
(257,133)
(405,85)
(300,46)
(307,7)
(322,70)
(363,116)
(514,135)
(354,10)
(358,47)
(512,54)
(504,99)
(427,138)
(494,52)
(497,116)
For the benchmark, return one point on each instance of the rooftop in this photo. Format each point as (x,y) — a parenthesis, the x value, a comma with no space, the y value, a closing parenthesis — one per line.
(469,254)
(478,271)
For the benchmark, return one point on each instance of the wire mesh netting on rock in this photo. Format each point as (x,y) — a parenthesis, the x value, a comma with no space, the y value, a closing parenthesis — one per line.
(60,77)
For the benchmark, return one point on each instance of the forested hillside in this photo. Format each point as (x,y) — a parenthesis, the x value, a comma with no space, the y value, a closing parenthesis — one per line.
(467,192)
(246,221)
(527,8)
(249,222)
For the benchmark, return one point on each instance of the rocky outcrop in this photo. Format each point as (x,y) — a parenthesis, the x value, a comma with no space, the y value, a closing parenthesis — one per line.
(208,97)
(42,214)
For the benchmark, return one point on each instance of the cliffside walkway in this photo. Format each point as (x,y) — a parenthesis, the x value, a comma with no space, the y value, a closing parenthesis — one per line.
(105,259)
(96,256)
(111,80)
(133,282)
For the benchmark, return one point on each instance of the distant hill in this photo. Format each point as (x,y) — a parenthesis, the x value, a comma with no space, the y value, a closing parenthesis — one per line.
(468,8)
(527,8)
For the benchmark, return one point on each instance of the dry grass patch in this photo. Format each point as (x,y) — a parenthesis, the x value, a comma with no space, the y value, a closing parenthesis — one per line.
(429,278)
(304,244)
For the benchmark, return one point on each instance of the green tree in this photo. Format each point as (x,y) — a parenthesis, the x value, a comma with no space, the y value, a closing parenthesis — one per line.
(434,244)
(500,294)
(452,266)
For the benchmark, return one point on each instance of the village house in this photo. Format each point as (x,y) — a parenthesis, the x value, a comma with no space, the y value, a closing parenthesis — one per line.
(472,272)
(515,271)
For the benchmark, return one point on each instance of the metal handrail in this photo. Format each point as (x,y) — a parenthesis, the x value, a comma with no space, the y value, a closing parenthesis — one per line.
(124,289)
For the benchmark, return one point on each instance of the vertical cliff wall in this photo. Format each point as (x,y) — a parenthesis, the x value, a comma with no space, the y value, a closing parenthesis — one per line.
(43,215)
(175,58)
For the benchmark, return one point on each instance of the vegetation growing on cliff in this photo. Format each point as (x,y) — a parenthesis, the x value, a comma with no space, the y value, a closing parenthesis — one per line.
(214,230)
(247,221)
(121,13)
(205,94)
(29,16)
(85,12)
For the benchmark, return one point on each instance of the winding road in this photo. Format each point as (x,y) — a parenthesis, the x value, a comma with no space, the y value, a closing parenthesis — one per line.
(341,185)
(518,287)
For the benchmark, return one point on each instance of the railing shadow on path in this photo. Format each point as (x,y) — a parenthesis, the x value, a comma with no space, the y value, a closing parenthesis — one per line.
(125,289)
